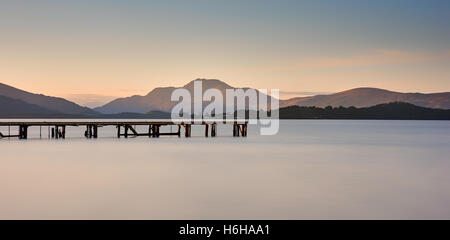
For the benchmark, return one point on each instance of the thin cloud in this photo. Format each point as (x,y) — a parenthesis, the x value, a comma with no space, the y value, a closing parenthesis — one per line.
(374,58)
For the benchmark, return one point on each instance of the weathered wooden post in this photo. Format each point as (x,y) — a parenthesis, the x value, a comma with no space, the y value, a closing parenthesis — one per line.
(56,132)
(118,131)
(153,130)
(64,131)
(206,129)
(157,130)
(89,131)
(213,130)
(244,130)
(20,131)
(179,130)
(187,130)
(236,130)
(95,131)
(149,130)
(126,131)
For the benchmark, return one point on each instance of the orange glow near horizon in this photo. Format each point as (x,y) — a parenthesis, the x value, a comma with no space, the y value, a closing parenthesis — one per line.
(392,70)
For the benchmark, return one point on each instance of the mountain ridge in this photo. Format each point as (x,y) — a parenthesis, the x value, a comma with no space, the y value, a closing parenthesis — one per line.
(11,106)
(367,97)
(158,99)
(51,103)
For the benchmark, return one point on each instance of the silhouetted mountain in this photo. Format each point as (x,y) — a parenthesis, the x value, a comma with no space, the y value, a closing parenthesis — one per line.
(159,98)
(56,104)
(14,107)
(395,110)
(366,97)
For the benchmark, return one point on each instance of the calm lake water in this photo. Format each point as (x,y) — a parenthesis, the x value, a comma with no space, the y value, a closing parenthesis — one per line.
(313,169)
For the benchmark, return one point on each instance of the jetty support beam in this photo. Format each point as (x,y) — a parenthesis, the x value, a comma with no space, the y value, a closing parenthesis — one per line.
(23,131)
(236,130)
(244,130)
(187,130)
(213,129)
(63,131)
(150,130)
(95,133)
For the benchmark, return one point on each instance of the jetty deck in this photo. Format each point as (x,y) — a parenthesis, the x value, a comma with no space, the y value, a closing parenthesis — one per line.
(57,129)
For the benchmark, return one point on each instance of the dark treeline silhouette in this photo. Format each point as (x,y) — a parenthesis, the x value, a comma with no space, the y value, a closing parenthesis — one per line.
(394,110)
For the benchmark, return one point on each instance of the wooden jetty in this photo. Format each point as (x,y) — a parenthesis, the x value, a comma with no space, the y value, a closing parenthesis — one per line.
(57,129)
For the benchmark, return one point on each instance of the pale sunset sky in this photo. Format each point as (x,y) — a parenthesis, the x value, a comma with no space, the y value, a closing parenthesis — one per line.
(81,49)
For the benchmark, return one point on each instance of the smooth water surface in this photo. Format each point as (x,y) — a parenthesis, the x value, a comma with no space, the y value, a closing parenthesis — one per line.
(313,169)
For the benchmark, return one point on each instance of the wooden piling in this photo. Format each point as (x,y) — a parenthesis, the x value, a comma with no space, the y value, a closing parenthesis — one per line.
(206,130)
(150,130)
(57,132)
(245,127)
(20,131)
(63,131)
(95,131)
(22,134)
(187,130)
(213,130)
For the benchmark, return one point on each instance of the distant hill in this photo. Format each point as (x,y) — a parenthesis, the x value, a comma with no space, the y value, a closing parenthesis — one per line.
(366,97)
(159,98)
(395,110)
(14,107)
(55,104)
